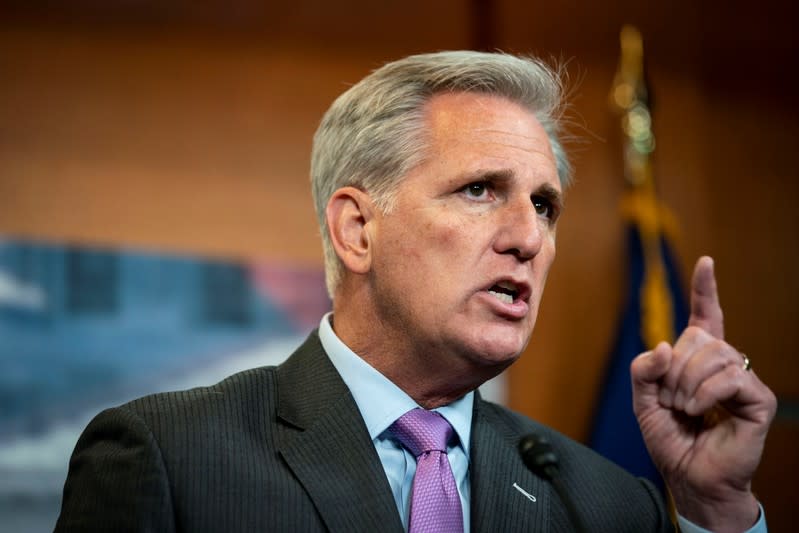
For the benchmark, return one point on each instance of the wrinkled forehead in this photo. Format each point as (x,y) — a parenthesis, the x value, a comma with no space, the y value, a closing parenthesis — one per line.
(476,124)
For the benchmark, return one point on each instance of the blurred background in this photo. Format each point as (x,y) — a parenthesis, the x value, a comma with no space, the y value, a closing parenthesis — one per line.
(175,135)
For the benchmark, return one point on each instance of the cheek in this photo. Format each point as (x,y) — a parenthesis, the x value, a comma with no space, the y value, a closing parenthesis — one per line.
(551,251)
(449,245)
(432,244)
(445,235)
(547,258)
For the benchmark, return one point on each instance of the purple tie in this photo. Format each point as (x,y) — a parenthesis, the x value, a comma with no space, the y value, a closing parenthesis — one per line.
(435,503)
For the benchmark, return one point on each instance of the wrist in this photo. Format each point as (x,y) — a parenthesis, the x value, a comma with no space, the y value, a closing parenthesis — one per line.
(733,514)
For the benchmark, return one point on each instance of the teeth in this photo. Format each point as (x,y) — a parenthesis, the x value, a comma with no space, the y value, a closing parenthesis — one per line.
(507,285)
(507,298)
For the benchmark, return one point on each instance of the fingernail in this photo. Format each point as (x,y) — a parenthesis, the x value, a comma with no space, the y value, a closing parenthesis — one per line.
(690,406)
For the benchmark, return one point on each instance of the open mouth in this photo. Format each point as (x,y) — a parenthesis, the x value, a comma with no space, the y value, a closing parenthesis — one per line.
(504,291)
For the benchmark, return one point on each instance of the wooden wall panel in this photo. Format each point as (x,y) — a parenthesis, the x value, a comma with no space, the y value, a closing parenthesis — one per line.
(169,142)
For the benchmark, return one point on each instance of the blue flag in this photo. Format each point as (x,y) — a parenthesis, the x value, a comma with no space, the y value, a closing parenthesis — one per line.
(655,310)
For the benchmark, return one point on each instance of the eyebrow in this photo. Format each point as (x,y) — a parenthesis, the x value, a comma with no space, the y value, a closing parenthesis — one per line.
(552,194)
(503,175)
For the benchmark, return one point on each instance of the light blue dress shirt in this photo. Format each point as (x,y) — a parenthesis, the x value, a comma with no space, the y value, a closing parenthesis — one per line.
(381,402)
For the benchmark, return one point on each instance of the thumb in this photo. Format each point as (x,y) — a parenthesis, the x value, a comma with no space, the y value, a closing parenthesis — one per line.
(646,371)
(706,310)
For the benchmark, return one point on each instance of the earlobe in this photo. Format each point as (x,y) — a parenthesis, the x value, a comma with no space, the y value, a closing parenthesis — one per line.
(348,212)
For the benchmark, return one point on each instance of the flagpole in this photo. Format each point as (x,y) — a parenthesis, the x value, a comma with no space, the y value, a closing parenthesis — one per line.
(630,97)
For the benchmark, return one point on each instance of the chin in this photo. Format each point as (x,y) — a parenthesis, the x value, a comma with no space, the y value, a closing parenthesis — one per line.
(506,337)
(490,342)
(504,357)
(501,350)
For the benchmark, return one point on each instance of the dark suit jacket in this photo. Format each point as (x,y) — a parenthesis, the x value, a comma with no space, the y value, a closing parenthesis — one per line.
(285,449)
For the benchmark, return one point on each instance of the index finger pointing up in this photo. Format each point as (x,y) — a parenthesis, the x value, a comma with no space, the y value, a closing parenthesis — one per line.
(705,308)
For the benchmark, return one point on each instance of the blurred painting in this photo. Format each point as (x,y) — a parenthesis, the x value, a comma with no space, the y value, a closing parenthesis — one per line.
(83,328)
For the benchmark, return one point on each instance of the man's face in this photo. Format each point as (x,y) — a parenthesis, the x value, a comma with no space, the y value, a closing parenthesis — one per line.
(459,264)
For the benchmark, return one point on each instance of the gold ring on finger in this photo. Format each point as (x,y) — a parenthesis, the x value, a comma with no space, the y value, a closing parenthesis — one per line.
(747,364)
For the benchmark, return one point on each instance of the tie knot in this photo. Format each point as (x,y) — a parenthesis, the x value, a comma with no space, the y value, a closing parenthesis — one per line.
(422,431)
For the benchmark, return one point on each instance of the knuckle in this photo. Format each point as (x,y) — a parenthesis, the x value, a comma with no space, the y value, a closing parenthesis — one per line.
(693,332)
(772,405)
(696,335)
(718,346)
(735,373)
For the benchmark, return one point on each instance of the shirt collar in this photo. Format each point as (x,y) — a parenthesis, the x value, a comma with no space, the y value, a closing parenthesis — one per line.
(366,384)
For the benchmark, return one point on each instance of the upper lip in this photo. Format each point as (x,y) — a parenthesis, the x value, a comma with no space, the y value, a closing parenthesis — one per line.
(520,287)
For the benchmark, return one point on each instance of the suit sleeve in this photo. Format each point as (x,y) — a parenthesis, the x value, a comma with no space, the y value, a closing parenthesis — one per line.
(117,480)
(664,520)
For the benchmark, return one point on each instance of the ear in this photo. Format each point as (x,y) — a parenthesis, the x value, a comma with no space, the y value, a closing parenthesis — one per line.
(348,212)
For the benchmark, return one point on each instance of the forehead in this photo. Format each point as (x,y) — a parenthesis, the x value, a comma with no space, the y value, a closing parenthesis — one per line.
(475,125)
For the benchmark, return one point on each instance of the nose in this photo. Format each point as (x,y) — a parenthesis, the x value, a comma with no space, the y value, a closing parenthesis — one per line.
(520,231)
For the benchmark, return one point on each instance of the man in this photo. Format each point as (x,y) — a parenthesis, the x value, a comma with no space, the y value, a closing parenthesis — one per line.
(438,181)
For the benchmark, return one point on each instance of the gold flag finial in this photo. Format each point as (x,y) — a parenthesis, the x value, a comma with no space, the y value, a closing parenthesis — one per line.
(630,75)
(630,97)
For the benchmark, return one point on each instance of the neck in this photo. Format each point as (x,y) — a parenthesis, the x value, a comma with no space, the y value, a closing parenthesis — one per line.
(428,374)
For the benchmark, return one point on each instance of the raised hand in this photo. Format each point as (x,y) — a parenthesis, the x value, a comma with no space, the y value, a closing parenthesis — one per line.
(703,416)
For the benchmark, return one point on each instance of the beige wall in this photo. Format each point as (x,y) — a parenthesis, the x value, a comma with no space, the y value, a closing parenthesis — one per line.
(178,133)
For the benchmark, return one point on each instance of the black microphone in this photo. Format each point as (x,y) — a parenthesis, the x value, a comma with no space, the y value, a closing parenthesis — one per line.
(538,455)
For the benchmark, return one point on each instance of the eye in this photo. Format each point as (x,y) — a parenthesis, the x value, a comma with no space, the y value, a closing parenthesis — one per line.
(478,189)
(544,207)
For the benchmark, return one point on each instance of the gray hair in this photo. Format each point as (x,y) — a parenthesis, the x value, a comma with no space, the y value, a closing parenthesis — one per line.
(374,133)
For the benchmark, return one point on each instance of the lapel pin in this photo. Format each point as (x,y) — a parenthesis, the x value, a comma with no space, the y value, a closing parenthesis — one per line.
(524,492)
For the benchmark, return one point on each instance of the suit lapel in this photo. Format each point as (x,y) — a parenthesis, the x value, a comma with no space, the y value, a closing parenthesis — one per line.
(326,444)
(495,467)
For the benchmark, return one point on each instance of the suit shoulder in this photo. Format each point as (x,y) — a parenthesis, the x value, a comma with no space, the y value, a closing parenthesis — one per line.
(249,390)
